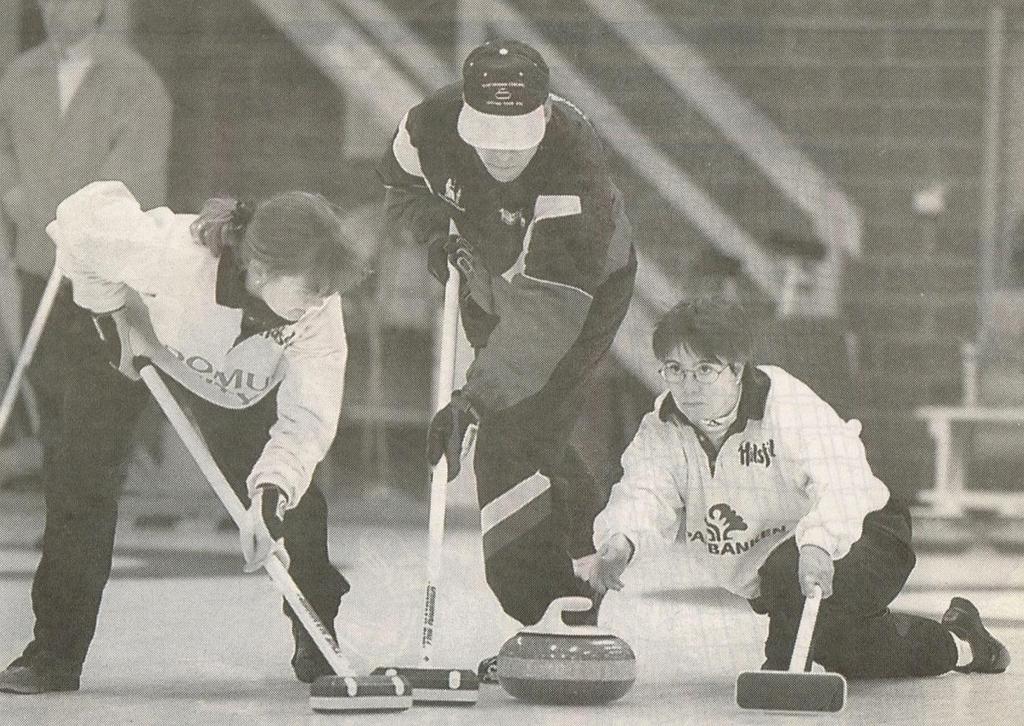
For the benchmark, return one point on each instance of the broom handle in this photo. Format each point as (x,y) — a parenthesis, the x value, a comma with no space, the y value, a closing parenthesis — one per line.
(28,347)
(439,473)
(274,567)
(804,633)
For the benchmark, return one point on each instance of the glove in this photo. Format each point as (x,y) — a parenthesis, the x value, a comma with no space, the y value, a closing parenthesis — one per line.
(815,568)
(443,248)
(262,528)
(610,562)
(113,331)
(583,566)
(448,432)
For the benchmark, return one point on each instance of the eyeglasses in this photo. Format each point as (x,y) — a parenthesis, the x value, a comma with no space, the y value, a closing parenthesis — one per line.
(704,373)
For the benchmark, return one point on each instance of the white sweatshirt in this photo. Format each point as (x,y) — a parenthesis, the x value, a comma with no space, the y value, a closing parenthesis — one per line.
(114,253)
(790,467)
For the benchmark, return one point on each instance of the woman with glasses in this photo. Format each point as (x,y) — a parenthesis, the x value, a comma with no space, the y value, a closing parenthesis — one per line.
(775,495)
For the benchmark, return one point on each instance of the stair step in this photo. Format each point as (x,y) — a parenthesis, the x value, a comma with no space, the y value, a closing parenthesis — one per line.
(904,389)
(910,351)
(957,321)
(892,19)
(878,287)
(871,14)
(862,164)
(912,262)
(875,307)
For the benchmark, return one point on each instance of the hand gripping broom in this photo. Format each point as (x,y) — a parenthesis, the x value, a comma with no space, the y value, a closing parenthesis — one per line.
(432,685)
(345,691)
(794,690)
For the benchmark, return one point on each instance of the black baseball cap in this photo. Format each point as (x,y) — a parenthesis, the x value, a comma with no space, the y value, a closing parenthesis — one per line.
(505,85)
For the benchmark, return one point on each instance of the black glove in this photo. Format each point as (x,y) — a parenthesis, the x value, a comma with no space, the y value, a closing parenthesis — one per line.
(115,342)
(106,328)
(448,430)
(453,247)
(272,510)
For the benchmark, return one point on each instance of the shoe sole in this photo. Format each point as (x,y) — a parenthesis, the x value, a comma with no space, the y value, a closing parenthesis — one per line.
(959,605)
(26,691)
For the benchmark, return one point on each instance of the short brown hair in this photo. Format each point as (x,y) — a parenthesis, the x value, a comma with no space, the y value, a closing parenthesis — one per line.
(712,327)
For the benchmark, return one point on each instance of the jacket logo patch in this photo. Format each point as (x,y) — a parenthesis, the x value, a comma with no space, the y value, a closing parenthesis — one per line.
(279,336)
(751,453)
(245,385)
(722,521)
(453,194)
(512,219)
(719,547)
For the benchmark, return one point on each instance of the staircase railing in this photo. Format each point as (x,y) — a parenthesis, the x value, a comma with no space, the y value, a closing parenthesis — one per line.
(836,220)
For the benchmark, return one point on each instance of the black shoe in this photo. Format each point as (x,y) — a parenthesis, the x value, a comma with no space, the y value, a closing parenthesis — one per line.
(487,671)
(29,677)
(308,662)
(963,620)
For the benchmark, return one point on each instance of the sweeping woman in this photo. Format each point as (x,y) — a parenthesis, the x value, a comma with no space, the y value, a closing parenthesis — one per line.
(241,307)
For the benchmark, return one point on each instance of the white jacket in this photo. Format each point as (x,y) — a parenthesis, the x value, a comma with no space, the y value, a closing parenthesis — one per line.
(111,249)
(794,469)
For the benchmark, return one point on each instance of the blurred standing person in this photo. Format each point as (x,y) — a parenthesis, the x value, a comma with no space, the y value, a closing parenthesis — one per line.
(82,106)
(545,251)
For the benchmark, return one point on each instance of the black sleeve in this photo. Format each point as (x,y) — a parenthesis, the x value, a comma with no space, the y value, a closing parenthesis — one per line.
(412,213)
(542,308)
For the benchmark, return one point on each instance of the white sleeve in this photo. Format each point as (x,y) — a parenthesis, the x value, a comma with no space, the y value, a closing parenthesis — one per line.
(407,156)
(834,468)
(308,406)
(645,505)
(106,243)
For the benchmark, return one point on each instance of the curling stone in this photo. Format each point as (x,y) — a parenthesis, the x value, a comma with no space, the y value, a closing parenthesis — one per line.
(555,663)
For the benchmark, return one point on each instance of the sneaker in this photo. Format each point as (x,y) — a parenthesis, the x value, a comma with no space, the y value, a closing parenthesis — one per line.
(964,621)
(487,671)
(30,677)
(308,662)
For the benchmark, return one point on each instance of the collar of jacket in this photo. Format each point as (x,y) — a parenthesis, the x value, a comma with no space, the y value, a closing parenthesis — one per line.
(83,51)
(257,316)
(102,49)
(756,385)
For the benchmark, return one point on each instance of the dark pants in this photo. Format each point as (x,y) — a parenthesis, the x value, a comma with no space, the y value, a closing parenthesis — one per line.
(67,334)
(856,633)
(100,407)
(538,498)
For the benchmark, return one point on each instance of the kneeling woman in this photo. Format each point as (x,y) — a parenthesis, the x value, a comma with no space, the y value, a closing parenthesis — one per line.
(777,496)
(242,308)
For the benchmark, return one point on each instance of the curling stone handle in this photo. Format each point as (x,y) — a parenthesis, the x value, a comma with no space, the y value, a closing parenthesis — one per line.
(552,621)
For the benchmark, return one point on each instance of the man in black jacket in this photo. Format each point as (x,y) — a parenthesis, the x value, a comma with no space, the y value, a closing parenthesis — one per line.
(544,249)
